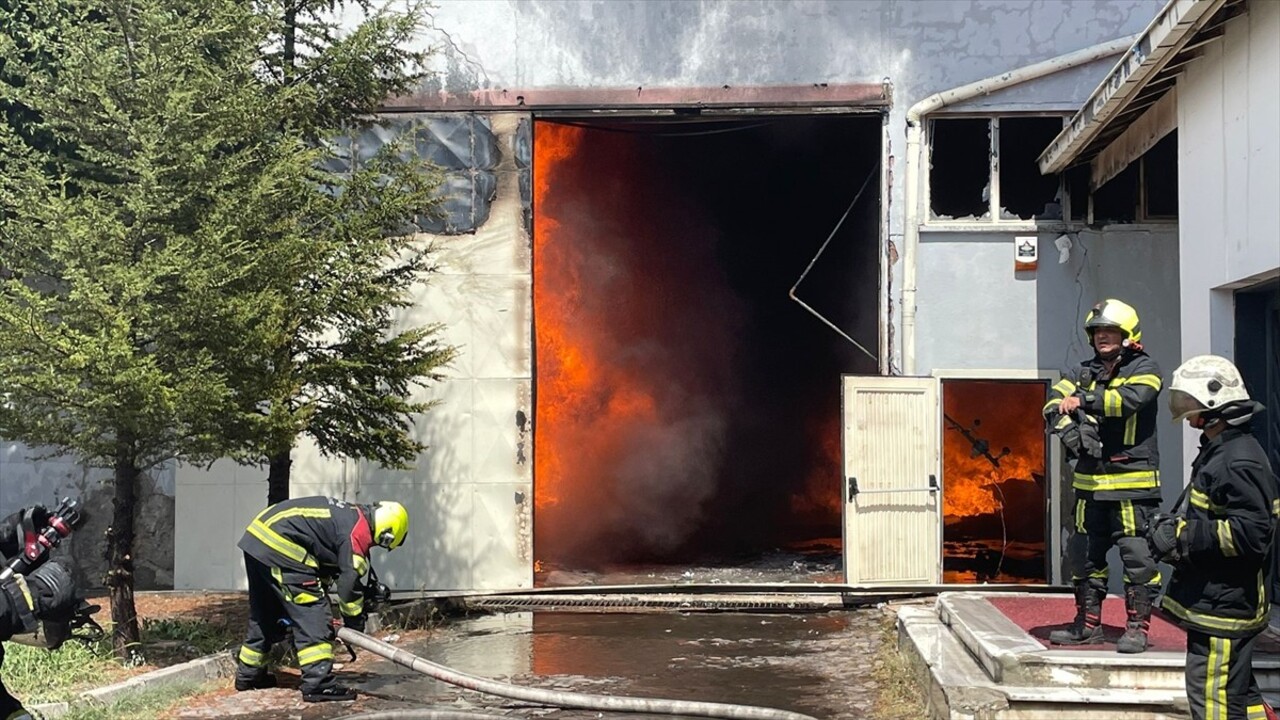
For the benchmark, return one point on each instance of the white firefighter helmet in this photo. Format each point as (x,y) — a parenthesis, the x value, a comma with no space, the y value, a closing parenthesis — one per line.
(1206,383)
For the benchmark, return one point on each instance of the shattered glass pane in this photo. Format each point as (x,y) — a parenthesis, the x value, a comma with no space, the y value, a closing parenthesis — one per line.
(338,155)
(524,161)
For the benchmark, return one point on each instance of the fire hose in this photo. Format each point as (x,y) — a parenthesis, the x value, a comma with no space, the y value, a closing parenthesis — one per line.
(554,698)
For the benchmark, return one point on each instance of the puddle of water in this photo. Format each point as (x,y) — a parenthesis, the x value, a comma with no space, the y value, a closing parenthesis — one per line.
(819,664)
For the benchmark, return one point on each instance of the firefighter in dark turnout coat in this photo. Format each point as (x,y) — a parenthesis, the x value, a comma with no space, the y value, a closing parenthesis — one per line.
(1221,544)
(1105,413)
(293,551)
(47,593)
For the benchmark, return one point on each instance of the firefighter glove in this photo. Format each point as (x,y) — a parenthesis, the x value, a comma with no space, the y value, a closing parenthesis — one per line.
(376,593)
(1079,434)
(1090,438)
(355,622)
(1162,536)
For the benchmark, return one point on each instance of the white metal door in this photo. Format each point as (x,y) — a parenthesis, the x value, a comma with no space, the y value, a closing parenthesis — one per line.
(892,496)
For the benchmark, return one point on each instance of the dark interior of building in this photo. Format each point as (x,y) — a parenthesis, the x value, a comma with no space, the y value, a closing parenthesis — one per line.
(688,410)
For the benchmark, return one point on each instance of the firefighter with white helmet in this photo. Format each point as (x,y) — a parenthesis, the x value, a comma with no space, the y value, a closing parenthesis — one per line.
(1105,413)
(1221,543)
(293,551)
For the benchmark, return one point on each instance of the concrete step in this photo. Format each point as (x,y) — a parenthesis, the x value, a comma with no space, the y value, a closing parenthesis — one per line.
(1011,657)
(959,688)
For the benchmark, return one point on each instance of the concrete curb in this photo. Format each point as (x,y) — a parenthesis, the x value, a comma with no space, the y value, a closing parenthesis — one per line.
(210,667)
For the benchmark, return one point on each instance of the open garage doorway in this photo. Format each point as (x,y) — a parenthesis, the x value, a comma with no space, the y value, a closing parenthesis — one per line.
(687,411)
(995,496)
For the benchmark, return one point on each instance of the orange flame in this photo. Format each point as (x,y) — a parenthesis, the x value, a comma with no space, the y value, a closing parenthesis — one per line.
(819,500)
(970,476)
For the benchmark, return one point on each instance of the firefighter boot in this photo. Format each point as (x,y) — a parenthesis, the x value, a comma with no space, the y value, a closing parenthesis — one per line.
(1137,604)
(330,693)
(1086,629)
(260,681)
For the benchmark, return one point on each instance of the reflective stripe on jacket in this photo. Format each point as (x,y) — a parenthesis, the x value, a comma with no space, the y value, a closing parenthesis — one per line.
(1126,410)
(1222,585)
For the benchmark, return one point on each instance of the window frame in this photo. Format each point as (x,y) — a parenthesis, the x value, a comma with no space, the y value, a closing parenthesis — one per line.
(993,222)
(993,218)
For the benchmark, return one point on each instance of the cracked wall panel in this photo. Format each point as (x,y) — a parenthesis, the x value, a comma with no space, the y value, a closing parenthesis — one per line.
(341,155)
(465,200)
(456,141)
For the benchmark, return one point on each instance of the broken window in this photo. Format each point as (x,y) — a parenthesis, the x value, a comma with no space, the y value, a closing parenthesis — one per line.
(1117,200)
(967,181)
(1076,179)
(960,169)
(1147,189)
(1025,193)
(1160,178)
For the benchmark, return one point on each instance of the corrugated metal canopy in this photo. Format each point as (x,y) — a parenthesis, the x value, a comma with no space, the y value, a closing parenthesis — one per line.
(1142,76)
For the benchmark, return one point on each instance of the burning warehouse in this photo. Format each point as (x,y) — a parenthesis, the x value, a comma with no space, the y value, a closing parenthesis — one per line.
(684,404)
(759,316)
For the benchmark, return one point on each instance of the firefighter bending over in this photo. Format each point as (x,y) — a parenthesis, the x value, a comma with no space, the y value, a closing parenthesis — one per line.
(1105,414)
(1221,545)
(44,597)
(292,551)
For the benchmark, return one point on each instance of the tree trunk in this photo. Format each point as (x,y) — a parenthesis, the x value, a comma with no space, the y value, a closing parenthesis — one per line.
(278,477)
(290,42)
(126,639)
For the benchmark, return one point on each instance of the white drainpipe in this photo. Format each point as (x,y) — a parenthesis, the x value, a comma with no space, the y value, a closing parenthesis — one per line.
(915,160)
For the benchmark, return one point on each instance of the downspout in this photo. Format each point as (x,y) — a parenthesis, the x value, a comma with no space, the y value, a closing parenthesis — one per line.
(914,158)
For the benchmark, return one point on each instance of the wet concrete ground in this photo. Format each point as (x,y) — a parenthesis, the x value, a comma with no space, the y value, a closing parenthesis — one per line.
(817,664)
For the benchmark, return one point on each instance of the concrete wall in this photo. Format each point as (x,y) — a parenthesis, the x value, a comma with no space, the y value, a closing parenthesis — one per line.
(1228,173)
(921,47)
(977,313)
(1228,176)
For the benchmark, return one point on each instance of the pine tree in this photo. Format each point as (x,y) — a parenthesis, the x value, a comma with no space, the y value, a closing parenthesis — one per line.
(142,159)
(181,278)
(343,374)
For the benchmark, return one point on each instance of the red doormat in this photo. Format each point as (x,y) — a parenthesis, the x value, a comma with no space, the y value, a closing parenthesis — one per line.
(1038,615)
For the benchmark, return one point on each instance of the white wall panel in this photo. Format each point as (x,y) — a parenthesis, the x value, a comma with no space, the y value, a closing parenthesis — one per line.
(461,491)
(1228,178)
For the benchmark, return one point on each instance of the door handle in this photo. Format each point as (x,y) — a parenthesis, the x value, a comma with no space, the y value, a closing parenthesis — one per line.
(854,490)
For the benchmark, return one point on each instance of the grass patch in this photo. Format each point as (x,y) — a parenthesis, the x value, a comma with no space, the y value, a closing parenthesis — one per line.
(197,636)
(143,705)
(39,676)
(899,696)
